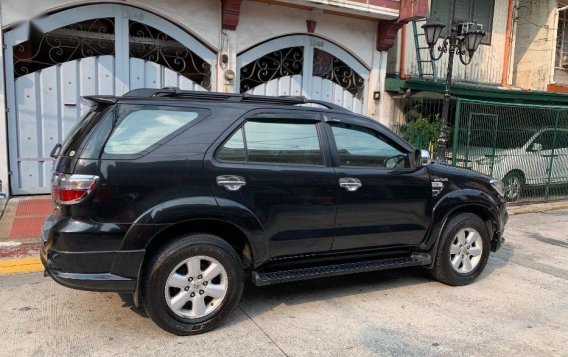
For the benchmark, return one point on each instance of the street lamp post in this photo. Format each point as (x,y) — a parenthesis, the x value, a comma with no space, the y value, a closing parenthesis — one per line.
(463,39)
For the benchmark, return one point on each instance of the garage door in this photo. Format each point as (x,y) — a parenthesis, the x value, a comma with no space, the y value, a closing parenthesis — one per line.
(96,49)
(304,65)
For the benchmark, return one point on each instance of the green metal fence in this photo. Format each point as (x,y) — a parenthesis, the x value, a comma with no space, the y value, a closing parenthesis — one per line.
(526,146)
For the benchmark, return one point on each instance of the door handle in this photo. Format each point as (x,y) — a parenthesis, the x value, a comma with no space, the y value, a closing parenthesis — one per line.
(351,184)
(231,182)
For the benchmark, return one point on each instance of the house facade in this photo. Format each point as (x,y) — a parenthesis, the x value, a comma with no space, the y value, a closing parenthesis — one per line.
(56,51)
(523,58)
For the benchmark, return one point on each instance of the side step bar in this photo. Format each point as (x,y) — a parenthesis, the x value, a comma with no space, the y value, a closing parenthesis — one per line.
(284,276)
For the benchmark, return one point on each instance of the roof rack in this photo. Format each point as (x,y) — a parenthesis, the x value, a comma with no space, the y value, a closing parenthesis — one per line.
(176,92)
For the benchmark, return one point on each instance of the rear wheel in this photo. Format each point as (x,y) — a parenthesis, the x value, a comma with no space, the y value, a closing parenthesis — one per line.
(464,250)
(192,284)
(514,183)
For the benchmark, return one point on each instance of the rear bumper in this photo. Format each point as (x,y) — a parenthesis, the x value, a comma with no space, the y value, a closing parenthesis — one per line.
(112,270)
(99,281)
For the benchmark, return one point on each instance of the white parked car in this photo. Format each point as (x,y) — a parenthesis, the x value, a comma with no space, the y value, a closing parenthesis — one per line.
(520,159)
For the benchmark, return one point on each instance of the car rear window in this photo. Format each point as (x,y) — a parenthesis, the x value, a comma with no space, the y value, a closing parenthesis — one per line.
(138,129)
(81,130)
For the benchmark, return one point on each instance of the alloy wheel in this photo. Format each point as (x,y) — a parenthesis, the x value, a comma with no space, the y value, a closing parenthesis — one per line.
(196,287)
(466,250)
(512,187)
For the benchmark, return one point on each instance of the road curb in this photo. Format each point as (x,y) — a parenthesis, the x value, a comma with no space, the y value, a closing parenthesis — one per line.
(20,265)
(537,207)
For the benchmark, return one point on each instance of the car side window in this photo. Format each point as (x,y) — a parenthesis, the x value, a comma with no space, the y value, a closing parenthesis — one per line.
(363,147)
(562,140)
(279,142)
(138,127)
(545,139)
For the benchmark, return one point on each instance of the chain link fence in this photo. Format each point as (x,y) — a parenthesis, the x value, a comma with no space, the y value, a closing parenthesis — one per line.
(526,146)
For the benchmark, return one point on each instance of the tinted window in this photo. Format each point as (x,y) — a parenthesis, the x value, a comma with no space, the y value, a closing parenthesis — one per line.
(234,148)
(358,146)
(141,128)
(562,140)
(545,139)
(274,142)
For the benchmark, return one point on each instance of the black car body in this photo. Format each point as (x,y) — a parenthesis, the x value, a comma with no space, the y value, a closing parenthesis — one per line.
(309,209)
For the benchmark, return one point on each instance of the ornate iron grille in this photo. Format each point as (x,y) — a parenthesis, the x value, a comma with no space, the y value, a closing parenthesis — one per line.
(332,68)
(79,40)
(285,62)
(151,44)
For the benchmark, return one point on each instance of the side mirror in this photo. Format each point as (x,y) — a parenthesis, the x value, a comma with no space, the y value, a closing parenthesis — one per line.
(536,147)
(422,157)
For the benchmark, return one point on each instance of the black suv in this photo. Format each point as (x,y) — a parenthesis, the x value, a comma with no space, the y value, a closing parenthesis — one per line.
(178,197)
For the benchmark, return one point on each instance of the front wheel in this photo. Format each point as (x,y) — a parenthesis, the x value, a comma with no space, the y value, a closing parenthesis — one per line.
(464,250)
(192,284)
(514,184)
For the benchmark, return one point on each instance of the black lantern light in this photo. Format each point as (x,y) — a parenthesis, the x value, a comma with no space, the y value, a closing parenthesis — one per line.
(473,37)
(432,30)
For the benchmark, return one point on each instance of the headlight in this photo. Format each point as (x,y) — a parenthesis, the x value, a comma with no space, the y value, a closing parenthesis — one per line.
(489,160)
(498,186)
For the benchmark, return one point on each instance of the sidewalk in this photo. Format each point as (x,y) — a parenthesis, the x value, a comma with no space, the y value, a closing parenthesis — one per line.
(20,229)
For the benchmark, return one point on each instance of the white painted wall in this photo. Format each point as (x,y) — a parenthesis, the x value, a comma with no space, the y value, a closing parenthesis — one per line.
(3,123)
(261,21)
(535,44)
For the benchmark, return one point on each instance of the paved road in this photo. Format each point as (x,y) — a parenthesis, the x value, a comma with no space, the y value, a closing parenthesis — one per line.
(518,307)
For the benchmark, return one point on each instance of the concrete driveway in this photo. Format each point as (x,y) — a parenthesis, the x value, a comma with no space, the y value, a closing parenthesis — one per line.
(518,307)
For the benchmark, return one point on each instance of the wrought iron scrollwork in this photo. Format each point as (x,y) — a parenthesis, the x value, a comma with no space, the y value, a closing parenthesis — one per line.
(79,40)
(332,68)
(150,44)
(285,62)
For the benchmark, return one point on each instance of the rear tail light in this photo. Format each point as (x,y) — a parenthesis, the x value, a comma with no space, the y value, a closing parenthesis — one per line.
(70,189)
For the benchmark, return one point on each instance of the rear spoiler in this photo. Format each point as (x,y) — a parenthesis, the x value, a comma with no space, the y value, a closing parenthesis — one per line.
(92,100)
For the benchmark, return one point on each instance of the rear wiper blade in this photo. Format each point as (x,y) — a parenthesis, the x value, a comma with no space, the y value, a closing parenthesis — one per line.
(55,151)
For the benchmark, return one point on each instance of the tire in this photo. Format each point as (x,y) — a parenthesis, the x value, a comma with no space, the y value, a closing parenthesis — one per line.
(443,269)
(514,183)
(176,263)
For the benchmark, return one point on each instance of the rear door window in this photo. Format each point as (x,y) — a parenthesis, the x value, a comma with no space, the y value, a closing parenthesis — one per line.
(138,128)
(279,142)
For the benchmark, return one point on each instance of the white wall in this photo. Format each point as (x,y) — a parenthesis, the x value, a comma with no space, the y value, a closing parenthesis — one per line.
(3,123)
(534,44)
(355,35)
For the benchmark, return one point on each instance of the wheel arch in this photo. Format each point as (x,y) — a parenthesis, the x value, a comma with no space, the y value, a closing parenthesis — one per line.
(516,171)
(462,201)
(227,231)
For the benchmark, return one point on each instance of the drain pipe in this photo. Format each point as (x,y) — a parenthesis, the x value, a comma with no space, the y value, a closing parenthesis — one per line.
(402,62)
(507,54)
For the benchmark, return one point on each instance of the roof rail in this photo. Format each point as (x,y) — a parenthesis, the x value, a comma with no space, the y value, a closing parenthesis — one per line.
(176,92)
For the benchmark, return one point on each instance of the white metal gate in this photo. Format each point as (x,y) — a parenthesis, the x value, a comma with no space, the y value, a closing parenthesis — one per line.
(303,65)
(44,89)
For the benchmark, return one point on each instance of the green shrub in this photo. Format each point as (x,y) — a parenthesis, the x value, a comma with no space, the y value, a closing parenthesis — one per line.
(423,133)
